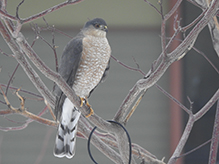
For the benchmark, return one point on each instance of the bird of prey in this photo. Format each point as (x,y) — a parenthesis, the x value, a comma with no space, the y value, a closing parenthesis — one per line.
(83,65)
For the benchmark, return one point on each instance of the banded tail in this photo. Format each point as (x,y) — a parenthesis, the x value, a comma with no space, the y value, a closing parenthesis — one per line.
(67,130)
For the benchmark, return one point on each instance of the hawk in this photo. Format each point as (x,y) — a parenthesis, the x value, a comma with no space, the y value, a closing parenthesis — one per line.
(84,64)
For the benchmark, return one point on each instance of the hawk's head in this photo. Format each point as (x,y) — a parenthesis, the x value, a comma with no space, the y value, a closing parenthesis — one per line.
(97,27)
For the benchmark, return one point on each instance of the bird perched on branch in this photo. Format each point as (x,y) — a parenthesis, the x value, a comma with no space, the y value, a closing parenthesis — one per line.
(84,64)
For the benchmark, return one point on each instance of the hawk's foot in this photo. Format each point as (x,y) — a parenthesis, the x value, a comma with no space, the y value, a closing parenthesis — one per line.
(86,102)
(91,112)
(82,101)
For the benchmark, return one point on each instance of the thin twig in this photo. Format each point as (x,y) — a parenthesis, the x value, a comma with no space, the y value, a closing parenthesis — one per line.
(10,80)
(191,151)
(43,13)
(153,6)
(22,90)
(3,52)
(21,99)
(9,111)
(24,112)
(206,58)
(163,25)
(128,67)
(173,99)
(17,9)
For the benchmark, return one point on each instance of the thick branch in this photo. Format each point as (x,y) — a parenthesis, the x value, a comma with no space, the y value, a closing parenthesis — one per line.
(26,48)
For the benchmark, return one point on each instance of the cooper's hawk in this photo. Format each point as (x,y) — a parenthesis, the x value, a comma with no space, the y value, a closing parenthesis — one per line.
(84,64)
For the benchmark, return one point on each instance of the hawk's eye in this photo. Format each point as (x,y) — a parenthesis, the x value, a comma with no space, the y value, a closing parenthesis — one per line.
(97,25)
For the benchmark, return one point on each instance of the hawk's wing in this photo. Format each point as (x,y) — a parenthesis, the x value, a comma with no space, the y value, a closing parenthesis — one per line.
(67,69)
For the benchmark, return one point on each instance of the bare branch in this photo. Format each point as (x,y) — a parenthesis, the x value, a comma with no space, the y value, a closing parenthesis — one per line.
(174,99)
(198,147)
(22,90)
(134,107)
(206,58)
(189,125)
(180,51)
(96,120)
(18,6)
(163,25)
(10,30)
(126,66)
(154,7)
(215,138)
(20,22)
(214,31)
(10,80)
(154,76)
(213,25)
(9,111)
(8,16)
(39,15)
(26,66)
(23,111)
(43,13)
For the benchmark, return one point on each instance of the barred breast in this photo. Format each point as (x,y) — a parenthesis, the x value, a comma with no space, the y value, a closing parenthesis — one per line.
(94,60)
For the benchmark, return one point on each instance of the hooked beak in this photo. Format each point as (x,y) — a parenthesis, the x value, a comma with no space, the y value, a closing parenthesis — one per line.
(104,28)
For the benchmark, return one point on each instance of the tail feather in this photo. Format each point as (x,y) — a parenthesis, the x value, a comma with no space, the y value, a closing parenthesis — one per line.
(67,130)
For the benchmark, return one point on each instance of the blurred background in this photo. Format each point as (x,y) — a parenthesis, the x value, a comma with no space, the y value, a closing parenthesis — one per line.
(134,36)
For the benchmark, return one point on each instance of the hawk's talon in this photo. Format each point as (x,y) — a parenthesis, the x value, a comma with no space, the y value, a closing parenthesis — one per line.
(91,113)
(86,102)
(91,110)
(82,101)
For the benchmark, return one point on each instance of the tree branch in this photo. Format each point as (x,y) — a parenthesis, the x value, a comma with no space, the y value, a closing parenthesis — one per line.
(26,48)
(215,138)
(10,31)
(33,76)
(192,119)
(154,76)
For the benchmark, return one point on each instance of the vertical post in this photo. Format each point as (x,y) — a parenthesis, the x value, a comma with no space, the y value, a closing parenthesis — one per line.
(175,91)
